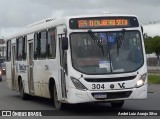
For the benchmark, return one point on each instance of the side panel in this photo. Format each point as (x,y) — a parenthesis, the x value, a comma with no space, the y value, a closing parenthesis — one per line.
(46,68)
(49,69)
(8,75)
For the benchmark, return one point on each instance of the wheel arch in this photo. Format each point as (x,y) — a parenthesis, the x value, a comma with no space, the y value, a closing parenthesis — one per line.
(51,84)
(19,80)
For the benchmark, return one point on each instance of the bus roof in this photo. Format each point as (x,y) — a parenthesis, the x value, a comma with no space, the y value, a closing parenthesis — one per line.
(52,22)
(100,15)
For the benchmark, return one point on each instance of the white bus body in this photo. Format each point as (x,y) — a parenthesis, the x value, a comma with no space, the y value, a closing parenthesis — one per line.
(102,59)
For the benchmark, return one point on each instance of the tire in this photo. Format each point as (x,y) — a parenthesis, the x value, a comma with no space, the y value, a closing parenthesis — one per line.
(23,96)
(58,105)
(117,104)
(0,78)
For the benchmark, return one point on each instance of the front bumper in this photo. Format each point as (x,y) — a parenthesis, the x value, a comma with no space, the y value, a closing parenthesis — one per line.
(78,96)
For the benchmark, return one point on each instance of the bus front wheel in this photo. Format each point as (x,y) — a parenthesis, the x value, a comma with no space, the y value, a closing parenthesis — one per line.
(58,105)
(117,104)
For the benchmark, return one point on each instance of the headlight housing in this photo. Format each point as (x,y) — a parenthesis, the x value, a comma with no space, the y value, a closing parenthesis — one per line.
(141,81)
(78,84)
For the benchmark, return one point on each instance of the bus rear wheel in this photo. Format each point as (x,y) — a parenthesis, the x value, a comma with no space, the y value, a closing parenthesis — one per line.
(23,96)
(58,105)
(117,104)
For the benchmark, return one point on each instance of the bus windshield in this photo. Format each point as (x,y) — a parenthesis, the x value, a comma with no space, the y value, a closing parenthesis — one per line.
(106,52)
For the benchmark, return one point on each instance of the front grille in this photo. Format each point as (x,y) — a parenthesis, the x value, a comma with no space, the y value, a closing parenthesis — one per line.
(113,95)
(110,79)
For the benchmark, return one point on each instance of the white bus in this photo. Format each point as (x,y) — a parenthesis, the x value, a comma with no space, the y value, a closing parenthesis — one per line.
(93,58)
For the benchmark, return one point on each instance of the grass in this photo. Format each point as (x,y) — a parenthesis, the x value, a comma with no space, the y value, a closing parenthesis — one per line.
(153,79)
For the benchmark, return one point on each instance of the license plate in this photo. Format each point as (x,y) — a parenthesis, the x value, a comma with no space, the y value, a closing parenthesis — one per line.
(100,96)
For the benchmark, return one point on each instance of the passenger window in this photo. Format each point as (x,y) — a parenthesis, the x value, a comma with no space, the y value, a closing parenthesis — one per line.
(19,48)
(8,51)
(35,46)
(43,44)
(24,52)
(51,43)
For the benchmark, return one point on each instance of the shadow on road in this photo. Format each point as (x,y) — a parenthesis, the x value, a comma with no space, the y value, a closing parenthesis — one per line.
(84,109)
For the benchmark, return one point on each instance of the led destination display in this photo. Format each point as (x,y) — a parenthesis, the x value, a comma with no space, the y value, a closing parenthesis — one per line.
(101,22)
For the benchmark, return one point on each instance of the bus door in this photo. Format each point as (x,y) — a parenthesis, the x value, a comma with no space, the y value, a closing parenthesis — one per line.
(30,67)
(13,87)
(63,67)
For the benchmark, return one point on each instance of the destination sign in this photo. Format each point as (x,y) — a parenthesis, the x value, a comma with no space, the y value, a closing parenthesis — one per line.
(101,22)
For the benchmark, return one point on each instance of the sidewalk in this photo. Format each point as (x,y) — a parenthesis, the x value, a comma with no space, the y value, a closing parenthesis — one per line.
(153,88)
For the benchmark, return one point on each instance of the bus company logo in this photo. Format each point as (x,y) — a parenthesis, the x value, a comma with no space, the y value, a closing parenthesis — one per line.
(22,68)
(6,113)
(121,85)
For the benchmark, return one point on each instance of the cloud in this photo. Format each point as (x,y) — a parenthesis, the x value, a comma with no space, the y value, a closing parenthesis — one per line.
(20,13)
(152,30)
(5,32)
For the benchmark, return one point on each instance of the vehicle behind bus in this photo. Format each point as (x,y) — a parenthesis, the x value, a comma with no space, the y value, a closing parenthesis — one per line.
(2,68)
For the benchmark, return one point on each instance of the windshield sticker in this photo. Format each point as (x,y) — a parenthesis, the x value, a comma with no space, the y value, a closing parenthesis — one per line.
(104,64)
(103,36)
(118,70)
(112,38)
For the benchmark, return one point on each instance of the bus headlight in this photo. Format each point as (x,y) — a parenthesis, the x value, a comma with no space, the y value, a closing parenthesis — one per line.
(141,81)
(78,84)
(0,72)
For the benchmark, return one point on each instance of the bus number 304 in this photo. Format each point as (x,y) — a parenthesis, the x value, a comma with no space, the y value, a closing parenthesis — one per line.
(98,86)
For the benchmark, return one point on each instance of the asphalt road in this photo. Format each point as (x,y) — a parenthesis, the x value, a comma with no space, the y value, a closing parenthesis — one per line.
(10,100)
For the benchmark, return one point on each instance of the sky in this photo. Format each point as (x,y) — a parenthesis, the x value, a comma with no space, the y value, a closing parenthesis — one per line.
(16,14)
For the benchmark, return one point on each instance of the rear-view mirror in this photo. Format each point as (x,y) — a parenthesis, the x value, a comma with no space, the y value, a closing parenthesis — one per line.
(64,43)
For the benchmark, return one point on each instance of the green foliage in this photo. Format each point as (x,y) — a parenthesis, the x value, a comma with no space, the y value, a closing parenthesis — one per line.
(154,79)
(152,45)
(148,45)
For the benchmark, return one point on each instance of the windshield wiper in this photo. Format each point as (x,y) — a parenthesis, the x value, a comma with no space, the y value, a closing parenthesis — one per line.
(120,40)
(96,40)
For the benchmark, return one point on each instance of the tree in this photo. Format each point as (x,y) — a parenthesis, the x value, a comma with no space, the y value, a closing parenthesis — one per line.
(148,45)
(156,46)
(152,45)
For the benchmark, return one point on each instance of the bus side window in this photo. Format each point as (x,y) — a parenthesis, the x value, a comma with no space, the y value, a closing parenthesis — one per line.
(51,43)
(43,44)
(35,46)
(8,55)
(19,48)
(24,46)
